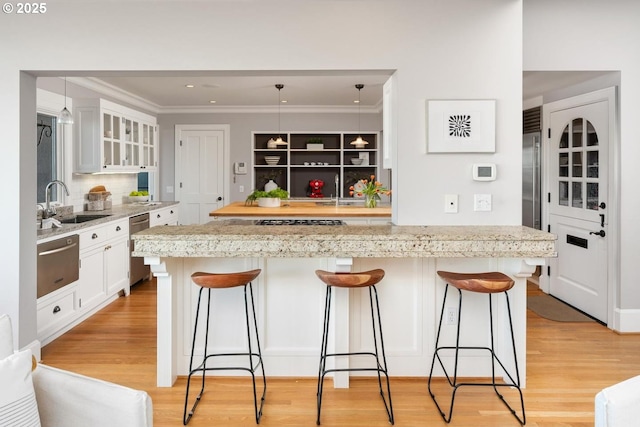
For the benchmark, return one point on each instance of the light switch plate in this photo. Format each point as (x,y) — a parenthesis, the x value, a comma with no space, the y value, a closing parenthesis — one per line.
(482,202)
(451,203)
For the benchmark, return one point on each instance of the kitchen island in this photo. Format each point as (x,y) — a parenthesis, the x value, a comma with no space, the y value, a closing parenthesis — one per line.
(351,211)
(290,298)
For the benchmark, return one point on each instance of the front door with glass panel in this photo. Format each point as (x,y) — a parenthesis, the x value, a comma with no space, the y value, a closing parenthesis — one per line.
(578,182)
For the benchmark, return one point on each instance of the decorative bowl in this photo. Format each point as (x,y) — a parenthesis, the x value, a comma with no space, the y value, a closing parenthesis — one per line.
(134,199)
(272,160)
(356,161)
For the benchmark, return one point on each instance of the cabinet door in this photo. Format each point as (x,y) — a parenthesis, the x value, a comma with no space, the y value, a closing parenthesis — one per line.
(131,143)
(117,266)
(113,151)
(148,147)
(91,290)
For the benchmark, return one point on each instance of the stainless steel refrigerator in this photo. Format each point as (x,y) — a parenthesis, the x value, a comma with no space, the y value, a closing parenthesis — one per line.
(531,179)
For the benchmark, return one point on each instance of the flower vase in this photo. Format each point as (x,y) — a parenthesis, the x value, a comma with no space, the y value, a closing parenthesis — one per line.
(270,186)
(370,200)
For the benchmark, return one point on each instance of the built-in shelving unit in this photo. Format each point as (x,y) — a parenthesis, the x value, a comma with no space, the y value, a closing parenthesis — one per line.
(313,155)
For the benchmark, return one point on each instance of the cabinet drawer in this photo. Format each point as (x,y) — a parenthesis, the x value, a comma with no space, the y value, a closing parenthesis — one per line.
(55,312)
(163,216)
(93,237)
(118,229)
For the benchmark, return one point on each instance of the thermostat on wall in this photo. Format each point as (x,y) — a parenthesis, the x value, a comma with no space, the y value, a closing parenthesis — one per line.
(484,172)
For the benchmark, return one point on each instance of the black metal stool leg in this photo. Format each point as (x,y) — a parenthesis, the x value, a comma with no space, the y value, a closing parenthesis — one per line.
(381,367)
(323,351)
(186,417)
(258,411)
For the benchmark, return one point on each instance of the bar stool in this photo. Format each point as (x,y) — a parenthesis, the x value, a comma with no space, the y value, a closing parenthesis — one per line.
(487,283)
(219,281)
(354,280)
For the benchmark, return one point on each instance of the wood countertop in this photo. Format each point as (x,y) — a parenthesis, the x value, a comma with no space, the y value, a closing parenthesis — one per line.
(307,209)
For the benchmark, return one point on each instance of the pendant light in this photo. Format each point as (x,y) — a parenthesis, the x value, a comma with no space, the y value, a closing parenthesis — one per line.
(65,117)
(359,142)
(278,141)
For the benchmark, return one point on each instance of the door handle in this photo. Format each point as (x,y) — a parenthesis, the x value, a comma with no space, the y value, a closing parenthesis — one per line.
(219,199)
(600,233)
(602,205)
(601,220)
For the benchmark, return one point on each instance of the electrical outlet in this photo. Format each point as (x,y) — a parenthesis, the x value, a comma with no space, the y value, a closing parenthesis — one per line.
(452,315)
(241,188)
(482,202)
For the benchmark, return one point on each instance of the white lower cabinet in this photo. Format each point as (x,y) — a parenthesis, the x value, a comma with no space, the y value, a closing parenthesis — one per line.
(104,271)
(164,216)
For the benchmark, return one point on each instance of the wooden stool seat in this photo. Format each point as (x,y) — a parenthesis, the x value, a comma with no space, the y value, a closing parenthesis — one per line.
(224,280)
(351,280)
(486,283)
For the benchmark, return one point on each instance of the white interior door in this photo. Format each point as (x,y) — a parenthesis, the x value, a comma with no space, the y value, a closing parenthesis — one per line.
(578,197)
(200,172)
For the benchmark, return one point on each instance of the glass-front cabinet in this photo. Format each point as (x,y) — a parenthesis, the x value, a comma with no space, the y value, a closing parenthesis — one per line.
(112,138)
(310,156)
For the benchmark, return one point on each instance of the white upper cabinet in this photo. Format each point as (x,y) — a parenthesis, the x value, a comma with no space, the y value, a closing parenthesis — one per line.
(112,138)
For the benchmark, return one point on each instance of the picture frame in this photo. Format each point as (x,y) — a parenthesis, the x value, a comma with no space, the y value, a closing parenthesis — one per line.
(461,126)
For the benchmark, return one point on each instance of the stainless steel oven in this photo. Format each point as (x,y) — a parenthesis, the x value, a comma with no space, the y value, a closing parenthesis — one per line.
(137,269)
(58,264)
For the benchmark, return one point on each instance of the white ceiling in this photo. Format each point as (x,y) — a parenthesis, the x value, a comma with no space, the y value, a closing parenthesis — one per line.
(166,91)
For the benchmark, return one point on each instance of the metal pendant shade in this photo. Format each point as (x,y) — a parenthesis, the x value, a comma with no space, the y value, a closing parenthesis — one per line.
(359,142)
(65,117)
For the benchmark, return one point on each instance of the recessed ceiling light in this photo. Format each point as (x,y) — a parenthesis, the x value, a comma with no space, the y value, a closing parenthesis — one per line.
(189,86)
(212,102)
(284,101)
(356,101)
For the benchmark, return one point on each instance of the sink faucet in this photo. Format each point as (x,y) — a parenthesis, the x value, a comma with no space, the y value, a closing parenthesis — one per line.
(337,189)
(50,211)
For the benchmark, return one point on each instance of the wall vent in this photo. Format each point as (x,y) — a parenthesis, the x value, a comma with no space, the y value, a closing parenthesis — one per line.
(532,120)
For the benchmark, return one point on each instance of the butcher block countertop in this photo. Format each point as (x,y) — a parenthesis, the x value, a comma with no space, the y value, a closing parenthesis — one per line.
(307,209)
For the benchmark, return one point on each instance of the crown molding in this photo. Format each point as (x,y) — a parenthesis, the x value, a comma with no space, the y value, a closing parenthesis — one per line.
(106,89)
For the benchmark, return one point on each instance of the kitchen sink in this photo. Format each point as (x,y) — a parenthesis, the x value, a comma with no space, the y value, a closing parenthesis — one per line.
(77,219)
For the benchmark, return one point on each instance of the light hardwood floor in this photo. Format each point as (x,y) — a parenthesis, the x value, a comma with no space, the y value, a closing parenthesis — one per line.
(568,363)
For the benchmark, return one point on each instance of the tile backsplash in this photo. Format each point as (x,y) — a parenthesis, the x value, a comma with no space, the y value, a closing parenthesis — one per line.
(120,185)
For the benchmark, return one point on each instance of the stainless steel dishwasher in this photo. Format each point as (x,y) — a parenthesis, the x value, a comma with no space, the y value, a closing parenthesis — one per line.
(137,269)
(58,264)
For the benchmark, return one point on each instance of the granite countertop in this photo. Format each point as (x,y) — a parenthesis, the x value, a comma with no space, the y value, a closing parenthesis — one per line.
(320,208)
(242,238)
(116,213)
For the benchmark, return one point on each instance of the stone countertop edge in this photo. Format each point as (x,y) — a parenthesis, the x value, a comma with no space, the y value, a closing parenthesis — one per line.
(115,213)
(241,238)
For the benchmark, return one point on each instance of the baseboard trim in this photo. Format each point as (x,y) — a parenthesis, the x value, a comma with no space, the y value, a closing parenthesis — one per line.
(626,320)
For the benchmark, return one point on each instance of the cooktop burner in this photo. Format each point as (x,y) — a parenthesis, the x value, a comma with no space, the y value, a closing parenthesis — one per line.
(299,222)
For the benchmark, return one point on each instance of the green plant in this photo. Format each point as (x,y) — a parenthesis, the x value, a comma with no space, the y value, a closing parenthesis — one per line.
(314,141)
(263,176)
(278,193)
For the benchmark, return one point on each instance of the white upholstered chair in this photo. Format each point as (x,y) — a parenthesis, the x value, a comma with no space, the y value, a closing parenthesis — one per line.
(619,405)
(67,399)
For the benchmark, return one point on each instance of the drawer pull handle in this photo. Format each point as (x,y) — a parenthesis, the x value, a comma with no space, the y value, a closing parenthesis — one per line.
(94,236)
(118,228)
(56,309)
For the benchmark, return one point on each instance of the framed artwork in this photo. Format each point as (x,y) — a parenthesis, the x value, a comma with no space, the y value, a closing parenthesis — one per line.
(461,126)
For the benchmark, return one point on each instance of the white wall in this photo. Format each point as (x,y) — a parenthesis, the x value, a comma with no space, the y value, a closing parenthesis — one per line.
(599,35)
(459,49)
